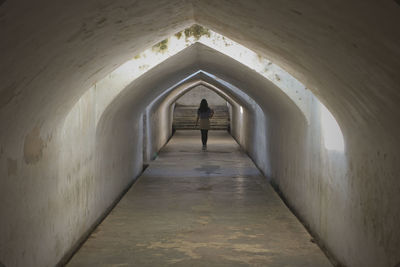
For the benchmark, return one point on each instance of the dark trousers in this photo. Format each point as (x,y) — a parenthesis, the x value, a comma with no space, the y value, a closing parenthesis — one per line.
(204,136)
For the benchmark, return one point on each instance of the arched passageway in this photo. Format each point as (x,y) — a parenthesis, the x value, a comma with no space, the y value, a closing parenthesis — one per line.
(185,109)
(68,152)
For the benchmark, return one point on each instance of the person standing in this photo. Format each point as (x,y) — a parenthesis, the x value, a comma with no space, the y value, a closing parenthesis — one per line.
(204,113)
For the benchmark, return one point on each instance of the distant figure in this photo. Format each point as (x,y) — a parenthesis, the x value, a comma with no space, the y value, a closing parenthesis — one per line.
(204,113)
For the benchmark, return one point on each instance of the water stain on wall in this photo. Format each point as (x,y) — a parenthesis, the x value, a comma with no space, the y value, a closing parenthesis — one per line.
(33,146)
(11,166)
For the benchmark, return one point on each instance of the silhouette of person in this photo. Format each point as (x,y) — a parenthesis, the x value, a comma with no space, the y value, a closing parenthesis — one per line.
(204,113)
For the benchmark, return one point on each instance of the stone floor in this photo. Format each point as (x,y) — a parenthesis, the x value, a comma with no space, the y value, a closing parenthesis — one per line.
(194,208)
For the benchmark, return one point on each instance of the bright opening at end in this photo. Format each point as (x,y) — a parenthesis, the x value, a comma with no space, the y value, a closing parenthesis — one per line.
(333,137)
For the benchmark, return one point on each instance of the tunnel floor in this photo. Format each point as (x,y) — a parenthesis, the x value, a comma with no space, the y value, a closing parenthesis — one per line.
(195,208)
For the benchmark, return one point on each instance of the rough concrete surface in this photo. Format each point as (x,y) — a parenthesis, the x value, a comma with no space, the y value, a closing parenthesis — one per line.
(67,152)
(192,97)
(195,208)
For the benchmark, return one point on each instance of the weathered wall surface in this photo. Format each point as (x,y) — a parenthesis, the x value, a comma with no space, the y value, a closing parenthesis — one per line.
(160,111)
(297,151)
(364,101)
(51,190)
(159,128)
(194,96)
(249,128)
(347,53)
(95,171)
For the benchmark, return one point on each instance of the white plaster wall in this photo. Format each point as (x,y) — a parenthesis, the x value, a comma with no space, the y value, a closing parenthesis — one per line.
(295,164)
(290,151)
(194,96)
(161,110)
(313,181)
(159,128)
(249,128)
(347,53)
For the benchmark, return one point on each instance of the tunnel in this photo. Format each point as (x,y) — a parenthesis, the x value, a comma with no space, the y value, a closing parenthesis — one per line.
(89,90)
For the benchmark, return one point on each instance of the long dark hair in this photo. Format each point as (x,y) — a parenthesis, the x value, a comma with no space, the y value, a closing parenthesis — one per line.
(203,106)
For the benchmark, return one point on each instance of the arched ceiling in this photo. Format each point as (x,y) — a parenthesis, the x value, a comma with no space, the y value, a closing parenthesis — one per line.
(346,52)
(179,69)
(171,96)
(230,97)
(55,50)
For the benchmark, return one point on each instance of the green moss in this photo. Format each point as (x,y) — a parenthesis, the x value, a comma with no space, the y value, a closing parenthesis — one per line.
(161,46)
(178,35)
(196,31)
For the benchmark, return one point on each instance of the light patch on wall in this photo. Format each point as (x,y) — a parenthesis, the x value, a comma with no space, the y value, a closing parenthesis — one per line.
(33,146)
(332,135)
(241,110)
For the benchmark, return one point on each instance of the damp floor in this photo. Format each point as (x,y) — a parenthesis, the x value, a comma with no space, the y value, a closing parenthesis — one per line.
(195,208)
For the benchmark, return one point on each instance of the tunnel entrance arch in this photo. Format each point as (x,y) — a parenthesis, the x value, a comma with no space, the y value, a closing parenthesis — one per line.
(288,119)
(145,61)
(185,109)
(161,108)
(118,128)
(346,58)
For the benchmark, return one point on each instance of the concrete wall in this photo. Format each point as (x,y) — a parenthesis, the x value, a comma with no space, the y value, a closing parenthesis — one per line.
(161,110)
(194,96)
(53,128)
(286,145)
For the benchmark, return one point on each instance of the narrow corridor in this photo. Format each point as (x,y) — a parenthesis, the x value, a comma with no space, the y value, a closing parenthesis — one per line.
(194,208)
